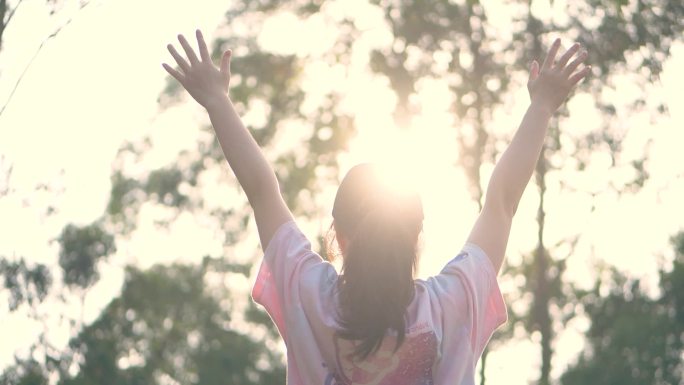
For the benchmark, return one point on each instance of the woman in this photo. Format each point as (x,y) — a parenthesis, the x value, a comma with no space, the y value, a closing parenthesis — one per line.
(373,323)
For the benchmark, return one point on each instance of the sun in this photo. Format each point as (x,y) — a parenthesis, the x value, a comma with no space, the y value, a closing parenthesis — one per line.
(424,158)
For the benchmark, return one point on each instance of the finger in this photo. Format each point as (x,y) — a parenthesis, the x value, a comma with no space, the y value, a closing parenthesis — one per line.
(204,52)
(534,70)
(188,50)
(179,59)
(551,56)
(177,75)
(574,79)
(567,55)
(225,65)
(575,63)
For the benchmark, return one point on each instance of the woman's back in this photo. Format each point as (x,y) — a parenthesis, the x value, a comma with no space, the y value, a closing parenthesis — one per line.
(448,322)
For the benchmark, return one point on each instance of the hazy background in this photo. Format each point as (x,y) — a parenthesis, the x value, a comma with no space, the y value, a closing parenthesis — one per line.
(323,87)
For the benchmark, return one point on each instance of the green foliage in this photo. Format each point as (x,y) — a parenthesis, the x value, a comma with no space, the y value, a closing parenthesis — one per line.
(266,6)
(25,283)
(649,26)
(119,198)
(621,36)
(678,242)
(634,339)
(270,78)
(168,325)
(81,248)
(163,185)
(474,68)
(124,202)
(257,315)
(558,292)
(672,282)
(27,372)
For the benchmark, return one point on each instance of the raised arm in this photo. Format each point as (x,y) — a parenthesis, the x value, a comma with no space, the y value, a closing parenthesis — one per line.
(208,85)
(548,87)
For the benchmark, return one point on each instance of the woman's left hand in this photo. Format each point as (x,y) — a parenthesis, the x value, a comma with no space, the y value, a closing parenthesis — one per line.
(205,82)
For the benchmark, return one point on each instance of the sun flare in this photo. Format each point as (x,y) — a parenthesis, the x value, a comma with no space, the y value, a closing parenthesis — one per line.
(424,158)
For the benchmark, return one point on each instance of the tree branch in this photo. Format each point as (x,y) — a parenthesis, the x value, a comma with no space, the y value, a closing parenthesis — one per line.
(4,25)
(52,35)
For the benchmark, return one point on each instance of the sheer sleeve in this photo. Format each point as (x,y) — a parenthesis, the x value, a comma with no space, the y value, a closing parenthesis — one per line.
(471,304)
(277,284)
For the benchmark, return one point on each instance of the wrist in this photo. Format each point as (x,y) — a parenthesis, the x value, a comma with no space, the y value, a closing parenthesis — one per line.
(542,109)
(216,102)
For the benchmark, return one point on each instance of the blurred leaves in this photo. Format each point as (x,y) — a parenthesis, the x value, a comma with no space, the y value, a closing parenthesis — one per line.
(169,323)
(633,338)
(166,325)
(181,323)
(25,372)
(632,38)
(25,283)
(81,248)
(163,185)
(648,27)
(122,200)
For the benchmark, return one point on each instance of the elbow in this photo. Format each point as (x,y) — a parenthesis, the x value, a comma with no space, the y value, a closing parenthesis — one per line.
(264,187)
(511,209)
(501,203)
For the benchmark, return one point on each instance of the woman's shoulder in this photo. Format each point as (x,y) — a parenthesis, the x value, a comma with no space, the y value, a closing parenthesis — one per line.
(438,294)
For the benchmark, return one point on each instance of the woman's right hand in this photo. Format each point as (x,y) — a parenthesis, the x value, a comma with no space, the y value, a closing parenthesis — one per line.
(550,85)
(203,81)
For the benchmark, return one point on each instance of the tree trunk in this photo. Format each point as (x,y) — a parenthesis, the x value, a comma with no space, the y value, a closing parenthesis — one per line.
(542,318)
(482,367)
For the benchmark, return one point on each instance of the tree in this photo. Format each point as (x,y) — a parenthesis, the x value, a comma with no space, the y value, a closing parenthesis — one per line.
(261,77)
(633,338)
(24,372)
(26,282)
(631,37)
(170,323)
(103,351)
(434,38)
(7,12)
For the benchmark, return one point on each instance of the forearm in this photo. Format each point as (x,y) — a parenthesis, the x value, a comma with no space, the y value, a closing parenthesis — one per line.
(549,86)
(209,85)
(241,150)
(513,171)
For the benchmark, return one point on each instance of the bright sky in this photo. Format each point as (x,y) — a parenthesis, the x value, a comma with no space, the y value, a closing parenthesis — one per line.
(96,86)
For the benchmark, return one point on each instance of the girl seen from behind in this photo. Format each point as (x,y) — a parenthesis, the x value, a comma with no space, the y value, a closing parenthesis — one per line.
(372,322)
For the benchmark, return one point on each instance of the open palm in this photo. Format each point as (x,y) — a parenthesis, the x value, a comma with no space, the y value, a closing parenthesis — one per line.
(199,76)
(550,85)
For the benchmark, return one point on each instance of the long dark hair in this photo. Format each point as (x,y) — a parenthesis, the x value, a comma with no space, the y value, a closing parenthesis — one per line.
(380,227)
